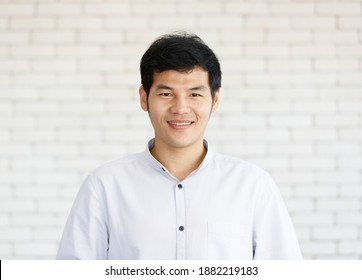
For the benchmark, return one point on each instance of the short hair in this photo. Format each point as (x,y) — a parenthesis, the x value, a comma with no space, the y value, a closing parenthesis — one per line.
(181,52)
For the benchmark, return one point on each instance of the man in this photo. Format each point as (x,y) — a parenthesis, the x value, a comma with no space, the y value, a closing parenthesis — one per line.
(179,199)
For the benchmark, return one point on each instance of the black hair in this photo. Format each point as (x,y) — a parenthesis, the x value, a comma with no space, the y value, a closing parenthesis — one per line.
(181,52)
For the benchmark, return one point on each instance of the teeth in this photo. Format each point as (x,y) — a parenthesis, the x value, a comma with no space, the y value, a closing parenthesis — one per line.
(178,123)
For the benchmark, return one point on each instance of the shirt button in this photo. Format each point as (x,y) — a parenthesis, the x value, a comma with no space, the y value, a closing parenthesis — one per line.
(181,228)
(179,186)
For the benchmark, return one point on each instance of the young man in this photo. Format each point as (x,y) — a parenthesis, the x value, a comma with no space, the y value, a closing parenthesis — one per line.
(179,199)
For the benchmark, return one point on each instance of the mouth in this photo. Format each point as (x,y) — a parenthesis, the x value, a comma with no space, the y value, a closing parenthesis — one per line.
(180,124)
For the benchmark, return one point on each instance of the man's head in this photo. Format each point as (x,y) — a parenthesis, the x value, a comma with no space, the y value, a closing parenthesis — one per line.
(181,52)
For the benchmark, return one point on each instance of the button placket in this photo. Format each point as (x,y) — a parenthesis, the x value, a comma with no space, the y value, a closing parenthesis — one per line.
(180,221)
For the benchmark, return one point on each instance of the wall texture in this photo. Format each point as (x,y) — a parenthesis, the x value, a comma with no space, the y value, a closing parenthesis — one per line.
(292,103)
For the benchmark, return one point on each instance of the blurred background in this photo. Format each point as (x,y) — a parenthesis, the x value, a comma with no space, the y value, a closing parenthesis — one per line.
(291,103)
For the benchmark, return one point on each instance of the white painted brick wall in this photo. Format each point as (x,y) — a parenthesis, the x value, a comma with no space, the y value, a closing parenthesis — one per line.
(291,102)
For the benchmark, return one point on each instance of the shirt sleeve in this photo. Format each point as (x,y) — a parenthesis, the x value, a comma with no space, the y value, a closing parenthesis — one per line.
(86,234)
(273,232)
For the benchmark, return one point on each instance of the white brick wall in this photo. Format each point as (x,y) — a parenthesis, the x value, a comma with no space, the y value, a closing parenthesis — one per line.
(291,102)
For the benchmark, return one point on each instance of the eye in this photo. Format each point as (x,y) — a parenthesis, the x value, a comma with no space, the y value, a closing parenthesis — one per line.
(166,94)
(196,95)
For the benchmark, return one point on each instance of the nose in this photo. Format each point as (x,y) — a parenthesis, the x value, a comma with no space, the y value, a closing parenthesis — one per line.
(180,106)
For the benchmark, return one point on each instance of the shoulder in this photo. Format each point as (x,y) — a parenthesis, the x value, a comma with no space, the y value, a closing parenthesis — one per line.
(228,162)
(119,166)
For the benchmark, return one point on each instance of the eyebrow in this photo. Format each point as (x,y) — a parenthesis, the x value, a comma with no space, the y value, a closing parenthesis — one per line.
(164,87)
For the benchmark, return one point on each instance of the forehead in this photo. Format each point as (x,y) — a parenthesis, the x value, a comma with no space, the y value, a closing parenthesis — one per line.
(177,79)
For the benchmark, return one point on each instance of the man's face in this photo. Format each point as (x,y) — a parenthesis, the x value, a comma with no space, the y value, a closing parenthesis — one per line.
(179,105)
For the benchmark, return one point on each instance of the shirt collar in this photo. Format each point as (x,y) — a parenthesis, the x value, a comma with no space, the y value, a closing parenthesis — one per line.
(156,164)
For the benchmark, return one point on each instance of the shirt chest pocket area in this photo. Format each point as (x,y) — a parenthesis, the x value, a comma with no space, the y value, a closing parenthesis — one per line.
(229,241)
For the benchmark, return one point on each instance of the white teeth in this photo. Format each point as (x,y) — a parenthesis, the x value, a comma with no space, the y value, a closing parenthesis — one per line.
(180,124)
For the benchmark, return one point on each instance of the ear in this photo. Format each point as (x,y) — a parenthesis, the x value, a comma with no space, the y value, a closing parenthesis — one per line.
(143,98)
(216,100)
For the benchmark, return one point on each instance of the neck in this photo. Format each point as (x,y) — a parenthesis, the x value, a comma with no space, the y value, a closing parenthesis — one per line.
(180,162)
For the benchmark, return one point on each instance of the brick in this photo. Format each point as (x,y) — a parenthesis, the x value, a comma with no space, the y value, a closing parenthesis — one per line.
(156,9)
(337,37)
(347,51)
(76,135)
(312,218)
(320,247)
(267,79)
(18,206)
(295,177)
(6,191)
(350,106)
(18,9)
(348,79)
(14,65)
(32,249)
(349,22)
(53,37)
(38,163)
(29,135)
(136,21)
(83,108)
(293,37)
(102,65)
(37,108)
(266,135)
(5,250)
(335,233)
(350,247)
(349,218)
(313,50)
(338,205)
(82,23)
(15,149)
(15,234)
(197,8)
(32,51)
(241,37)
(268,107)
(348,176)
(299,205)
(333,8)
(14,38)
(313,163)
(101,37)
(319,192)
(350,191)
(218,21)
(32,220)
(59,122)
(279,51)
(247,8)
(317,107)
(349,162)
(54,207)
(339,65)
(298,65)
(56,149)
(338,149)
(292,9)
(79,79)
(337,120)
(44,235)
(59,9)
(38,79)
(243,65)
(268,22)
(54,65)
(291,149)
(247,120)
(314,22)
(348,134)
(290,121)
(32,23)
(79,50)
(181,22)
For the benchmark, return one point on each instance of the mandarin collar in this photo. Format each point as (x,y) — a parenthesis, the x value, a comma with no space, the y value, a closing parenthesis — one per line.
(156,164)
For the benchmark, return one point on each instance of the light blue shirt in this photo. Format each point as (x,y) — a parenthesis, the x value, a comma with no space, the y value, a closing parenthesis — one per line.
(133,208)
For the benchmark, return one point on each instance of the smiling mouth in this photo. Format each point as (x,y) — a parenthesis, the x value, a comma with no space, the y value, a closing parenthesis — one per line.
(180,124)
